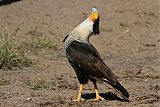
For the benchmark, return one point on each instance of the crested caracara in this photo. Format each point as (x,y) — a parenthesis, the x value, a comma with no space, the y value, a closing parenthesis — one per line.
(85,59)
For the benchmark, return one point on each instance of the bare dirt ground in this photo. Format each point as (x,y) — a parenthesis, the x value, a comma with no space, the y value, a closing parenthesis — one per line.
(129,43)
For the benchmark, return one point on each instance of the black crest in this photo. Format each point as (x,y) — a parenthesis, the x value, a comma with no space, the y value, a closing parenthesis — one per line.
(96,26)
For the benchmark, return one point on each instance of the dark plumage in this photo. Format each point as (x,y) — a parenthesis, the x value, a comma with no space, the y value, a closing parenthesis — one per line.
(88,65)
(85,59)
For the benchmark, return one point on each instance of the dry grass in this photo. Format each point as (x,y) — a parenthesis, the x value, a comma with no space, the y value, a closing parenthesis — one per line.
(9,55)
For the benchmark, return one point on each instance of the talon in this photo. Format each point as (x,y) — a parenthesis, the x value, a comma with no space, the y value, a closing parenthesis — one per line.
(79,94)
(78,100)
(98,98)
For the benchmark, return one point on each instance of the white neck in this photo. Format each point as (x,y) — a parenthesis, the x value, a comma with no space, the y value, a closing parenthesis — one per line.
(86,27)
(81,33)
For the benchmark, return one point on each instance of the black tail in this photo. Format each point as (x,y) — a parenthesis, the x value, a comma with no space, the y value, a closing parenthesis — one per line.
(120,88)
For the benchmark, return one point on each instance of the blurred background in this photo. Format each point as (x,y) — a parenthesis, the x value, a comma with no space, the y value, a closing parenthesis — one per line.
(33,67)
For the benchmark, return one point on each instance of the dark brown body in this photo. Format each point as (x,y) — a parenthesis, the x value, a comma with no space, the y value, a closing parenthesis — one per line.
(88,65)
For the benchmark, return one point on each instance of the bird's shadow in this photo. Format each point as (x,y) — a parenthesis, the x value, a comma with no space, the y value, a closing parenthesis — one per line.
(6,2)
(106,96)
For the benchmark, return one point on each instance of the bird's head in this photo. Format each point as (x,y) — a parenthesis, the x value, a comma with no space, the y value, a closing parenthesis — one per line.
(94,17)
(85,29)
(91,24)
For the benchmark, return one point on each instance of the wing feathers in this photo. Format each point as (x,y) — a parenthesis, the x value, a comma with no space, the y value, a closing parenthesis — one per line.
(88,60)
(87,57)
(106,71)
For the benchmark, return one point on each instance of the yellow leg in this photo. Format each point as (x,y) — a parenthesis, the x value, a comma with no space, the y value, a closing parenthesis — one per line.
(79,94)
(98,97)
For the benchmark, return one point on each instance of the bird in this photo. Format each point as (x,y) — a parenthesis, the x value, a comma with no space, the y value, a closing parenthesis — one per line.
(86,60)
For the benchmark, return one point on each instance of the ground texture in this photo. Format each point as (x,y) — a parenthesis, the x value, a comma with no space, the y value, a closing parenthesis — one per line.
(129,44)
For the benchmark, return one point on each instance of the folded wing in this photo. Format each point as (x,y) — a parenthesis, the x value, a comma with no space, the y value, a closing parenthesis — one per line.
(86,57)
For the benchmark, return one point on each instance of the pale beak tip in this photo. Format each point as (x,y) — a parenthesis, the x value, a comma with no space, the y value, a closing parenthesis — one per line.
(94,10)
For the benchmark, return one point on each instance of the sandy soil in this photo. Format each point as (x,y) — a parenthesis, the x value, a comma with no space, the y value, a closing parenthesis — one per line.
(129,43)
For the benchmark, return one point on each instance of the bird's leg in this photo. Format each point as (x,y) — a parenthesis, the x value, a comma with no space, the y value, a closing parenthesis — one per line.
(79,94)
(98,97)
